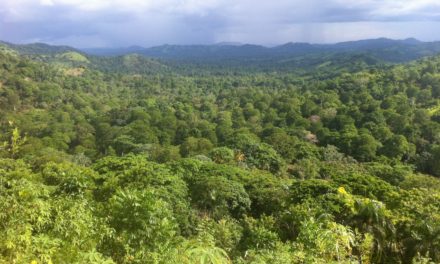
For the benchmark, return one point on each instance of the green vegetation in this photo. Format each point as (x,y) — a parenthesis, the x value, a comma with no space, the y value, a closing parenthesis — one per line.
(74,56)
(147,163)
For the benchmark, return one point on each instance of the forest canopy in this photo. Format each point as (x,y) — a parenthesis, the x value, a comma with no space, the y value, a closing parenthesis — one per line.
(333,165)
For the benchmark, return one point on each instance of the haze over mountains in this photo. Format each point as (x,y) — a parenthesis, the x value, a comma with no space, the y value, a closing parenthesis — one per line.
(414,47)
(298,57)
(398,50)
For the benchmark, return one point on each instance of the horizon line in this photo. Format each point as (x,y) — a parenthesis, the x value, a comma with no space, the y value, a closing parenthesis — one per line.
(221,43)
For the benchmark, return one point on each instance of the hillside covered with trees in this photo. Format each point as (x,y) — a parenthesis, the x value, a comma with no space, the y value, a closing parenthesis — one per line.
(136,160)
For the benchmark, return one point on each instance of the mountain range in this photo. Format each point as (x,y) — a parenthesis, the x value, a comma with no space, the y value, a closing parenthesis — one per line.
(298,57)
(383,48)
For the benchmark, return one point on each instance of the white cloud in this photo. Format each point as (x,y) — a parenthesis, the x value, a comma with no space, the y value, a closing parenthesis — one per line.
(394,8)
(46,2)
(183,6)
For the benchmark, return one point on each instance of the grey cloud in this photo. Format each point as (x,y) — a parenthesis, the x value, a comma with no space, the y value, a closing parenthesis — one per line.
(261,22)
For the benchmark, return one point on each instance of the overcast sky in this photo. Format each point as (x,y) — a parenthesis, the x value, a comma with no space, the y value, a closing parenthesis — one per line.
(116,23)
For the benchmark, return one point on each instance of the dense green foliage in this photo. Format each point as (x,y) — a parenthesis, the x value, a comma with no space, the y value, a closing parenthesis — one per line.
(160,167)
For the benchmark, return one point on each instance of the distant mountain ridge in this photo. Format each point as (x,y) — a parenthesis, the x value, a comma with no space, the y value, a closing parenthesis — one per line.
(398,50)
(221,57)
(38,48)
(232,50)
(68,57)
